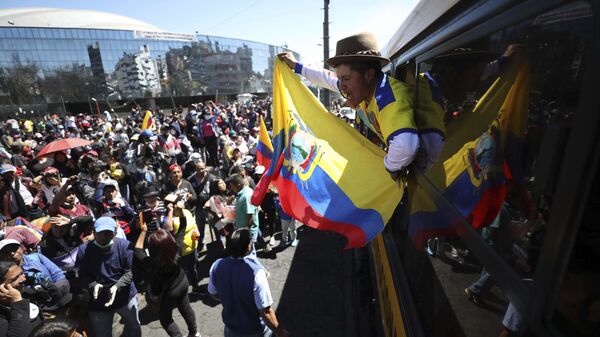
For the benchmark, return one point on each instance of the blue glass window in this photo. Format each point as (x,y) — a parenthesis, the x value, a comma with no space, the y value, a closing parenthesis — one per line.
(43,33)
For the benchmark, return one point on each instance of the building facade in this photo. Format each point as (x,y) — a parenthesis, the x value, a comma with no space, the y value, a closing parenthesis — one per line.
(60,55)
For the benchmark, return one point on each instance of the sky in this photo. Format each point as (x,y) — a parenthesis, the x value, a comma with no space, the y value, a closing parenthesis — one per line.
(299,25)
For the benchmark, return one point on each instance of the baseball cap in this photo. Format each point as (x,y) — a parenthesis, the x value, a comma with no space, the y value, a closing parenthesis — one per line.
(8,242)
(5,168)
(147,133)
(195,157)
(151,191)
(105,224)
(92,153)
(174,166)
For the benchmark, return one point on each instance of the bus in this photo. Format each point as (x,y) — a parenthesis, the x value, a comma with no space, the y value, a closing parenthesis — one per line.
(530,265)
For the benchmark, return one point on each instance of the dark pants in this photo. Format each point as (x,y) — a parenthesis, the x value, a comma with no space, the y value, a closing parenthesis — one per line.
(200,223)
(212,147)
(188,264)
(177,297)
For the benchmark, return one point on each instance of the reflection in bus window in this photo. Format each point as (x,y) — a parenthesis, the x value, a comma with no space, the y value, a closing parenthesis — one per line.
(578,307)
(509,102)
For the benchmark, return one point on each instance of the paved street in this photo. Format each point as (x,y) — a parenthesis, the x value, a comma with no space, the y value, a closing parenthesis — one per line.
(307,283)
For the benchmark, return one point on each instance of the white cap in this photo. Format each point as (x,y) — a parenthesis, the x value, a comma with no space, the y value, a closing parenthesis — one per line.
(7,242)
(195,157)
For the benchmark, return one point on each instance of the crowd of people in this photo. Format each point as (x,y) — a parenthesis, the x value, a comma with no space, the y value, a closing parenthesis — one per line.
(87,228)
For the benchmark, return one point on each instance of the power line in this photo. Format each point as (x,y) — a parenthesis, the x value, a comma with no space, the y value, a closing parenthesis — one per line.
(232,16)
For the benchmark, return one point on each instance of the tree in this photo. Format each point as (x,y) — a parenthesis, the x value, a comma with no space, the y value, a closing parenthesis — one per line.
(21,82)
(73,83)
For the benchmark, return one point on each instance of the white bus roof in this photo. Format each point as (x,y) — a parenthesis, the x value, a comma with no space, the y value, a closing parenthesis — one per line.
(423,15)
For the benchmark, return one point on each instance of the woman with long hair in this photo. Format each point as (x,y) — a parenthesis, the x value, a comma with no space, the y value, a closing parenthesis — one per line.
(57,329)
(168,285)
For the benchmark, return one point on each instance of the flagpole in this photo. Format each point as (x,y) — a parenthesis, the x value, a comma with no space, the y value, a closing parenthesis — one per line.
(325,94)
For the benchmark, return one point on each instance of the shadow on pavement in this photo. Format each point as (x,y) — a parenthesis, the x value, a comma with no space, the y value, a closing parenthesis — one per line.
(312,300)
(148,314)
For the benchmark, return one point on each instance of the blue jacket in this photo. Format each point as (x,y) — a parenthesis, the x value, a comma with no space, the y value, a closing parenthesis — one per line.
(39,263)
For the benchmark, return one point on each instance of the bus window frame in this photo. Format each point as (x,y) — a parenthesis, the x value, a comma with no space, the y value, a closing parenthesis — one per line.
(540,298)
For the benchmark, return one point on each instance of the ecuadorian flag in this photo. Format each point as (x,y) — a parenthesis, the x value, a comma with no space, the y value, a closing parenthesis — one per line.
(264,149)
(148,122)
(481,157)
(328,176)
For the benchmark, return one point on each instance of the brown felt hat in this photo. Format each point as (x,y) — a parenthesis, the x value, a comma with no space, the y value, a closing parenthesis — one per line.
(357,48)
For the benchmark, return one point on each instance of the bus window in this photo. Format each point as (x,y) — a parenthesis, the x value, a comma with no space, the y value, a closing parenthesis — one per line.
(578,306)
(509,101)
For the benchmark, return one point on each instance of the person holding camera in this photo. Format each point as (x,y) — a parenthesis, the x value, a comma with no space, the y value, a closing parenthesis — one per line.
(181,223)
(181,187)
(105,267)
(113,203)
(168,285)
(153,211)
(15,311)
(46,282)
(65,202)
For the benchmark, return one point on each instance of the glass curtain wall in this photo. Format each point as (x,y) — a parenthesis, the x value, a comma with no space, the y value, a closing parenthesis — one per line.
(50,65)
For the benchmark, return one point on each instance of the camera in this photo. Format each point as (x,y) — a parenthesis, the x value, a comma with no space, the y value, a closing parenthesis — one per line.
(153,216)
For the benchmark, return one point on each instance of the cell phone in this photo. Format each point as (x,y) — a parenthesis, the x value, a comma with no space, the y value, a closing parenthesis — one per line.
(148,216)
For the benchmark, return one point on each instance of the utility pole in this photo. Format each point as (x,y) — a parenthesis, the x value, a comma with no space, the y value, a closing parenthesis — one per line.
(325,94)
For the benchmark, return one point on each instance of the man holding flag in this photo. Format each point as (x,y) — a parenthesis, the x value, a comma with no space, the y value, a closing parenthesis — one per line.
(316,159)
(386,102)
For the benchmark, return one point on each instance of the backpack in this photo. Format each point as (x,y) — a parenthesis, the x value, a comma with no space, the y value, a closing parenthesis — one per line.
(207,129)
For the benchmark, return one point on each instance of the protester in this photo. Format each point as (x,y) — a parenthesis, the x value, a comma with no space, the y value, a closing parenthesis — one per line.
(181,187)
(168,284)
(47,285)
(105,268)
(386,100)
(240,283)
(16,199)
(15,312)
(181,223)
(246,214)
(201,181)
(56,329)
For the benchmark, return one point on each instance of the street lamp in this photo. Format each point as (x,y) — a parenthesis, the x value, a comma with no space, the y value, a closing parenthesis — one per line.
(97,106)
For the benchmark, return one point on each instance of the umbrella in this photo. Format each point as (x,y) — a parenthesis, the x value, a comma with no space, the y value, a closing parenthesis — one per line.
(63,144)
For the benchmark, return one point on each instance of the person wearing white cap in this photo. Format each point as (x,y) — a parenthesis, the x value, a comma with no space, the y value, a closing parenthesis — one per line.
(189,167)
(105,264)
(19,198)
(50,283)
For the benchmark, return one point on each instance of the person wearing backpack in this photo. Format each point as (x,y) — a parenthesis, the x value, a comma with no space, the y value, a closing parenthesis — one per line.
(209,134)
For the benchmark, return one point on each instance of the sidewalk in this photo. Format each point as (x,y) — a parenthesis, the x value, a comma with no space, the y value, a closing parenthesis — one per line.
(308,284)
